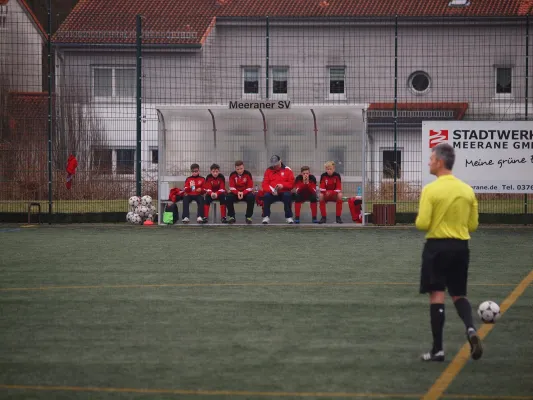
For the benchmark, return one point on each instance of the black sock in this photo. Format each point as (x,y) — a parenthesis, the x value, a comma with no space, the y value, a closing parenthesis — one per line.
(437,325)
(465,312)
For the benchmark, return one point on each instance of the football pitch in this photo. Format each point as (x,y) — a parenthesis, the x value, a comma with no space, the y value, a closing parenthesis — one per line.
(238,312)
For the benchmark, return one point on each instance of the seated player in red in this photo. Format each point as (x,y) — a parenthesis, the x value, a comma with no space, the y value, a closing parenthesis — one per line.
(194,191)
(278,182)
(241,186)
(305,190)
(175,195)
(355,204)
(330,190)
(215,189)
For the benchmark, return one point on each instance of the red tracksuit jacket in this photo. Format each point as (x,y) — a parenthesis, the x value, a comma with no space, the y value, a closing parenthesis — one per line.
(332,182)
(215,185)
(197,182)
(273,177)
(175,194)
(243,183)
(301,187)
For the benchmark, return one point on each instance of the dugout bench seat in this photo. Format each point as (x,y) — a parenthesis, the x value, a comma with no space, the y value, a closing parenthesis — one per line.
(166,182)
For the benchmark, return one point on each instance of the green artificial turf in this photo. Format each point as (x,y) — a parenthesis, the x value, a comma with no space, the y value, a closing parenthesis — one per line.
(259,312)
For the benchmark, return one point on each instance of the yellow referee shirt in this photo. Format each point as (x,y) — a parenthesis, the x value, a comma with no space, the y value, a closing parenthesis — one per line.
(448,209)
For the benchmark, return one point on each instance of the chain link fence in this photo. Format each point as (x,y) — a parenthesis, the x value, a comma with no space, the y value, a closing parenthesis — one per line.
(91,89)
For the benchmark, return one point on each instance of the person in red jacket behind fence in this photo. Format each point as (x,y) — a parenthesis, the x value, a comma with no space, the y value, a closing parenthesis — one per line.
(305,190)
(72,164)
(278,182)
(215,189)
(241,186)
(194,191)
(330,190)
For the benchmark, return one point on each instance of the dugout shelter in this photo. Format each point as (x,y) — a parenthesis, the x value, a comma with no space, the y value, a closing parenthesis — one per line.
(301,135)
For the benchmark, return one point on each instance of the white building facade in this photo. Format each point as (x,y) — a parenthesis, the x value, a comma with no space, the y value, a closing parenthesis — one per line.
(430,68)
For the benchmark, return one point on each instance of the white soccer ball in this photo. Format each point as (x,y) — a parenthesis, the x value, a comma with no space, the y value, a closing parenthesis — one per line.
(136,219)
(129,216)
(142,211)
(134,201)
(146,200)
(489,312)
(151,211)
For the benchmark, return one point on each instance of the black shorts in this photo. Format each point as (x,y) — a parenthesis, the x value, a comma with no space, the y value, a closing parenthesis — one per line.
(445,266)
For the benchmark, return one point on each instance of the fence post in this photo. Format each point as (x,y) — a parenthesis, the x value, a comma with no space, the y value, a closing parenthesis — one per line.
(526,98)
(267,54)
(139,105)
(49,122)
(395,106)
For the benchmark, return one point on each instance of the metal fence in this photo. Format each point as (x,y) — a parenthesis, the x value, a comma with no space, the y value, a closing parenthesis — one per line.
(93,92)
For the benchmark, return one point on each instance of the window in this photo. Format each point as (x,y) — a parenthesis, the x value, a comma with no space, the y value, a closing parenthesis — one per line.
(504,81)
(337,77)
(337,154)
(389,163)
(155,156)
(419,82)
(3,17)
(280,77)
(118,161)
(114,82)
(125,161)
(459,3)
(125,82)
(251,80)
(103,82)
(103,161)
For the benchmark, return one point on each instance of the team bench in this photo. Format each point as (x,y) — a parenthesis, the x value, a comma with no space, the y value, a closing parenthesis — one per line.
(350,189)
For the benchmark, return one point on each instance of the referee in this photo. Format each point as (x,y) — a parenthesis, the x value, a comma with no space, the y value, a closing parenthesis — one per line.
(448,212)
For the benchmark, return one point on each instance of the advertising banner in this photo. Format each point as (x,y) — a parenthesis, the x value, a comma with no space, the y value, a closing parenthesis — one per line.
(491,156)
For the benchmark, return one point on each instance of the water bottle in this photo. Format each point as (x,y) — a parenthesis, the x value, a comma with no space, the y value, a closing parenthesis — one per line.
(193,187)
(359,191)
(256,189)
(317,192)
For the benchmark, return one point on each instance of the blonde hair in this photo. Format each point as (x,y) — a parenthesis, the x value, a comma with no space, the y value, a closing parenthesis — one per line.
(329,164)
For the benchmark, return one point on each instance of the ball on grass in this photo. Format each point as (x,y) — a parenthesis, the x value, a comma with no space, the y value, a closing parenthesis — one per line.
(489,312)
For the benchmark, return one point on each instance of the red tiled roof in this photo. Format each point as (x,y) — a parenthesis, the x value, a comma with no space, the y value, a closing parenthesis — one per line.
(104,21)
(459,108)
(23,107)
(525,7)
(300,8)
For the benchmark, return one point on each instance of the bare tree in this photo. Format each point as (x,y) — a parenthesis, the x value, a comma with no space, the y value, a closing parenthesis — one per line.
(23,143)
(77,130)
